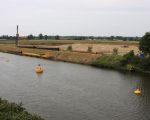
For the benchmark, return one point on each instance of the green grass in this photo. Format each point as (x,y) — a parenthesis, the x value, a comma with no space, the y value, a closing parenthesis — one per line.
(108,61)
(12,111)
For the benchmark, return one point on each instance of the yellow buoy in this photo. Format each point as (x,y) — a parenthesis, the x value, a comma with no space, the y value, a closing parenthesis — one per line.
(39,69)
(137,92)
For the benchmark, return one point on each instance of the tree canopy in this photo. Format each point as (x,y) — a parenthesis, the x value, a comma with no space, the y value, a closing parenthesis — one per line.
(40,36)
(30,37)
(57,37)
(145,43)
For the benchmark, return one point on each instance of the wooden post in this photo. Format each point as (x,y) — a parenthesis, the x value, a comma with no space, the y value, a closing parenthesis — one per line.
(17,36)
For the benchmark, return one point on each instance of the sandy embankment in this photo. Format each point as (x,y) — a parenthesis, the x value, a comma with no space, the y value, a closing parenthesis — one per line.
(75,57)
(80,52)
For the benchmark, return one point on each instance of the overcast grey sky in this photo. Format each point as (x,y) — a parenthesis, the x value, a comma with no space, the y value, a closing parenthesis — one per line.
(75,17)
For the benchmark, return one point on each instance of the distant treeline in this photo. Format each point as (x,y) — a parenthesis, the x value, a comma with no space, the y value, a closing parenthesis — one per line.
(57,37)
(6,37)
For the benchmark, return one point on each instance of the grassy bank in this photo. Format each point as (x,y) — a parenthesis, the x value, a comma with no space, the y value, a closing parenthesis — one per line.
(127,62)
(108,61)
(13,111)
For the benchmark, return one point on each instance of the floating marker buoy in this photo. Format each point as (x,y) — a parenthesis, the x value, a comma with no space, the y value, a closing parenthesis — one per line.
(137,92)
(39,69)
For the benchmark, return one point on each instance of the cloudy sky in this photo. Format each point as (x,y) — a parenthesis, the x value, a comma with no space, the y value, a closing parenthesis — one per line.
(75,17)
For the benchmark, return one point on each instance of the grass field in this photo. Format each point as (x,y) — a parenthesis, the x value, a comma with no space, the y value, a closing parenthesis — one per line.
(62,42)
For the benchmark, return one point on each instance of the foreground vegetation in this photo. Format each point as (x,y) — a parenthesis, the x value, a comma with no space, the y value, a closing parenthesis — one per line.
(12,111)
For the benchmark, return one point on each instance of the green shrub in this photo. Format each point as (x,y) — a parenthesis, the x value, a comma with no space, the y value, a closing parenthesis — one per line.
(115,51)
(130,58)
(12,111)
(89,48)
(69,48)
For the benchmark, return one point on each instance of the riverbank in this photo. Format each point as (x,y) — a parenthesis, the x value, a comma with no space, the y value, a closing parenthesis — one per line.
(13,111)
(102,60)
(66,56)
(128,62)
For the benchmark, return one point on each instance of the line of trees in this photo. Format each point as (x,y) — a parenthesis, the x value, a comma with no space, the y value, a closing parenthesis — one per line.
(6,37)
(57,37)
(42,37)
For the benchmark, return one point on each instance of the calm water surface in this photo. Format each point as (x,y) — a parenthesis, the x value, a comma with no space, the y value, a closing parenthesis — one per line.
(73,92)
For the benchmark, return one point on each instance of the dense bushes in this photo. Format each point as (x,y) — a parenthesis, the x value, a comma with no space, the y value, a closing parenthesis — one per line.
(12,111)
(136,61)
(130,58)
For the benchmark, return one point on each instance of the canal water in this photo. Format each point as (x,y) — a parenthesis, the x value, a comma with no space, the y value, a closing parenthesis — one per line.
(68,91)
